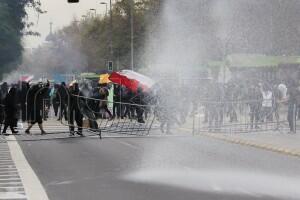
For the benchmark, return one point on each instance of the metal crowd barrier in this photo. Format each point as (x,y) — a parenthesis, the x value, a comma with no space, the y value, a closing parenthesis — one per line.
(97,120)
(240,117)
(199,115)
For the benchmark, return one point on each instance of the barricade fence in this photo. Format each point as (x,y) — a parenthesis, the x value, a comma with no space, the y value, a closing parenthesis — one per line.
(98,116)
(199,115)
(111,117)
(243,116)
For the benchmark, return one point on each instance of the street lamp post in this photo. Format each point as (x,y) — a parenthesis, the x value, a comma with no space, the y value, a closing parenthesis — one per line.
(104,3)
(110,30)
(94,10)
(132,34)
(84,17)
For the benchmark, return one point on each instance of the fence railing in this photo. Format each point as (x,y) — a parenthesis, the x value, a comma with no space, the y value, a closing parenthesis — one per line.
(242,116)
(103,116)
(112,117)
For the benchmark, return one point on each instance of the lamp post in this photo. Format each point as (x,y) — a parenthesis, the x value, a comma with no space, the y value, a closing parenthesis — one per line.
(104,3)
(94,10)
(110,30)
(132,34)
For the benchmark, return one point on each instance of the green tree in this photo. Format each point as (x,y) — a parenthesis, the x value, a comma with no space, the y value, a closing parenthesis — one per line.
(12,28)
(84,45)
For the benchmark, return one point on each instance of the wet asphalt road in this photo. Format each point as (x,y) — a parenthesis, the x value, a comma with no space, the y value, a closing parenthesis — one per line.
(160,168)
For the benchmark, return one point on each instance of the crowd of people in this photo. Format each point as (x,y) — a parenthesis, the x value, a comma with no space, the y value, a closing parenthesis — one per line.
(32,103)
(252,105)
(173,104)
(259,102)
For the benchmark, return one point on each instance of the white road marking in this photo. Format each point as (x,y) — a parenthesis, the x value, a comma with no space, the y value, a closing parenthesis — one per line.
(12,187)
(11,195)
(11,183)
(126,144)
(32,185)
(7,167)
(10,179)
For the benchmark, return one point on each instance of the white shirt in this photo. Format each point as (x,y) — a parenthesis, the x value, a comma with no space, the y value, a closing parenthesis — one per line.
(267,98)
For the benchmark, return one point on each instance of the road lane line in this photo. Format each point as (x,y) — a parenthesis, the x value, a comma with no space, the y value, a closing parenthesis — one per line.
(32,185)
(125,143)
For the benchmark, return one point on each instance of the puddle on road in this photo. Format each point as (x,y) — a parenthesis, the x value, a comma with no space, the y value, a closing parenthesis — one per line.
(224,182)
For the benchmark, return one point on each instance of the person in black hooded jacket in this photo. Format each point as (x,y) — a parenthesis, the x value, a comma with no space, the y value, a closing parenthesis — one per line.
(35,100)
(75,110)
(11,110)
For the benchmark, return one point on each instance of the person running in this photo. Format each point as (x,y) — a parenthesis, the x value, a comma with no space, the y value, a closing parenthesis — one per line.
(11,110)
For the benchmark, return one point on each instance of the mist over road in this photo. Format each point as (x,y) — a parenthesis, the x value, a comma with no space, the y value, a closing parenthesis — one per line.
(160,168)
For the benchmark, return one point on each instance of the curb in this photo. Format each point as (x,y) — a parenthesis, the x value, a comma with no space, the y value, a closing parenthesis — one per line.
(268,147)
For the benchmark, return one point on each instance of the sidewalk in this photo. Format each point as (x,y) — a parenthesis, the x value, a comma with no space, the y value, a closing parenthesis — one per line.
(11,186)
(288,144)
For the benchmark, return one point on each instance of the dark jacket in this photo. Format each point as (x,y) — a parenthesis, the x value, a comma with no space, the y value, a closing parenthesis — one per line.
(10,103)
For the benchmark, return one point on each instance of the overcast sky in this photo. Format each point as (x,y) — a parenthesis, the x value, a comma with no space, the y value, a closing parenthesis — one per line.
(60,13)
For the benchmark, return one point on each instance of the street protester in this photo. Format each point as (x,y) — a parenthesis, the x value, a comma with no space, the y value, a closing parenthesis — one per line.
(214,108)
(88,106)
(94,103)
(55,99)
(138,100)
(64,98)
(2,110)
(11,109)
(127,110)
(267,103)
(35,101)
(23,96)
(231,95)
(103,91)
(46,103)
(254,102)
(117,100)
(166,111)
(75,110)
(140,108)
(293,101)
(4,89)
(277,98)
